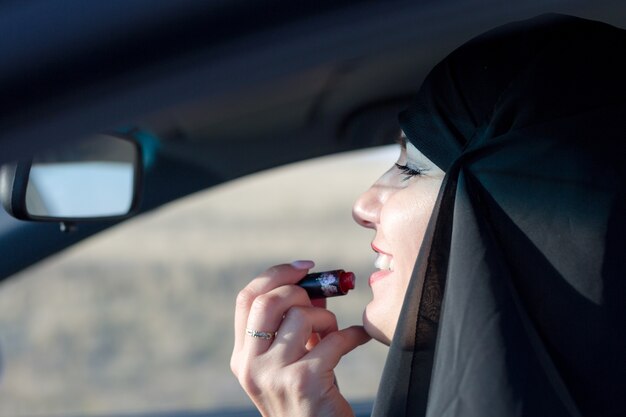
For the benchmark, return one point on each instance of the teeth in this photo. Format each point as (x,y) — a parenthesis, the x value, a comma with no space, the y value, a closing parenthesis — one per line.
(384,262)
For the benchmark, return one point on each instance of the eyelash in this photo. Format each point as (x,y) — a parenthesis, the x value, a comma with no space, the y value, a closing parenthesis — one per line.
(409,172)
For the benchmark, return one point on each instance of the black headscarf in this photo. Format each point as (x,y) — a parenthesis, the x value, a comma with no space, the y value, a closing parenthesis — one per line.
(517,305)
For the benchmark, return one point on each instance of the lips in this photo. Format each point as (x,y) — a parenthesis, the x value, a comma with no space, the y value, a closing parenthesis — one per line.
(384,264)
(378,250)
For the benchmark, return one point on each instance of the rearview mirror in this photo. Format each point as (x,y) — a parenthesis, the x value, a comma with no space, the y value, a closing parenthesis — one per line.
(95,179)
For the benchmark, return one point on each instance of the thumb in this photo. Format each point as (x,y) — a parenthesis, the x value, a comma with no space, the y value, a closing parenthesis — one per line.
(336,344)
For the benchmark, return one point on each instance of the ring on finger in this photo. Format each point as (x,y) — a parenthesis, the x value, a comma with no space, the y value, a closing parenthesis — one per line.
(260,334)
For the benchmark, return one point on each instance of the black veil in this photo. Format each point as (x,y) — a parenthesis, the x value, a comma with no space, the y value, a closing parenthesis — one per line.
(517,304)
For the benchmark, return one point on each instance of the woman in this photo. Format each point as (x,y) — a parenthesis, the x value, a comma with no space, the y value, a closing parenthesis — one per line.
(526,237)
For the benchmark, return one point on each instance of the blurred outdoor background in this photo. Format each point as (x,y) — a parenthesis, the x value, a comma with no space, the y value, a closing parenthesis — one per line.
(139,318)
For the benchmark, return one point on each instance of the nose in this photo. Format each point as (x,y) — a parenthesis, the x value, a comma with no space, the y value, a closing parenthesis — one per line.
(366,209)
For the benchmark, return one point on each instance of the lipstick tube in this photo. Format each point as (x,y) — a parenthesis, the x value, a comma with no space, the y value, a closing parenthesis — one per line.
(328,283)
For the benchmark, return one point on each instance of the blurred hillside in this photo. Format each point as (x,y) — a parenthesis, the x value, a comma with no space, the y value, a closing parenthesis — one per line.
(140,317)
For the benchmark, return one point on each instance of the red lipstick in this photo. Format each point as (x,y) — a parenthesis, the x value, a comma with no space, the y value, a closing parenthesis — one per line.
(328,283)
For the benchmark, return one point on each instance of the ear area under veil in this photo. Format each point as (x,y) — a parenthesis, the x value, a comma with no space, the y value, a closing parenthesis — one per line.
(489,359)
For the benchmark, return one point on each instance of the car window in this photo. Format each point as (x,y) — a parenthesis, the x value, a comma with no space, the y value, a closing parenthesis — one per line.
(138,319)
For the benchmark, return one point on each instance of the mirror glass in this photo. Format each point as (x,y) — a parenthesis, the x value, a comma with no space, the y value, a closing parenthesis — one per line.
(94,178)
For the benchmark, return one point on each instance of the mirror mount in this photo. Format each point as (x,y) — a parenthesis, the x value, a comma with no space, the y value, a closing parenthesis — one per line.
(68,227)
(13,183)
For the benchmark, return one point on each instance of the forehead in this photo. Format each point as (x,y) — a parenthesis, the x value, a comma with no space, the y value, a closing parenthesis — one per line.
(415,155)
(411,151)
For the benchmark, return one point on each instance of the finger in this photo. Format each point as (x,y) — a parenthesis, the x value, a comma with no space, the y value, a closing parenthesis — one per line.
(272,278)
(266,314)
(295,332)
(335,345)
(313,341)
(316,337)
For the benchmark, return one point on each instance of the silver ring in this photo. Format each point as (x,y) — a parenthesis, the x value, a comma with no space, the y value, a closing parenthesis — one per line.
(260,335)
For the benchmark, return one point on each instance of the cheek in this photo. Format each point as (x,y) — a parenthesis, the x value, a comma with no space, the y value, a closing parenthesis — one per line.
(405,225)
(404,220)
(423,206)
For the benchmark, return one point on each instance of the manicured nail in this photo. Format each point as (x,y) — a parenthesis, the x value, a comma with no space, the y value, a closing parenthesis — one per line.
(303,264)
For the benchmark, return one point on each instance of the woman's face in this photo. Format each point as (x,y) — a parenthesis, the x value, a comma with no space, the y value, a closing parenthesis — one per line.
(397,207)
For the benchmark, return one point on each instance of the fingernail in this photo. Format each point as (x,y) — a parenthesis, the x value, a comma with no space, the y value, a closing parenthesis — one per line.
(303,264)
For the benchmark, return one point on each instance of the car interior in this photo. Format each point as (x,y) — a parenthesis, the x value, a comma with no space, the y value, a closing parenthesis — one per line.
(188,97)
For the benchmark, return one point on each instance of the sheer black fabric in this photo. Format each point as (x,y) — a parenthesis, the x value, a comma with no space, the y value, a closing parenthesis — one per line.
(517,305)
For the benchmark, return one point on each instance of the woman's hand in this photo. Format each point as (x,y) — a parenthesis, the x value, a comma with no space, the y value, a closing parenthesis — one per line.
(290,374)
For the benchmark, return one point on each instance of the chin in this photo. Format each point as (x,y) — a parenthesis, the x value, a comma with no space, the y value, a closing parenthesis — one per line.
(377,332)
